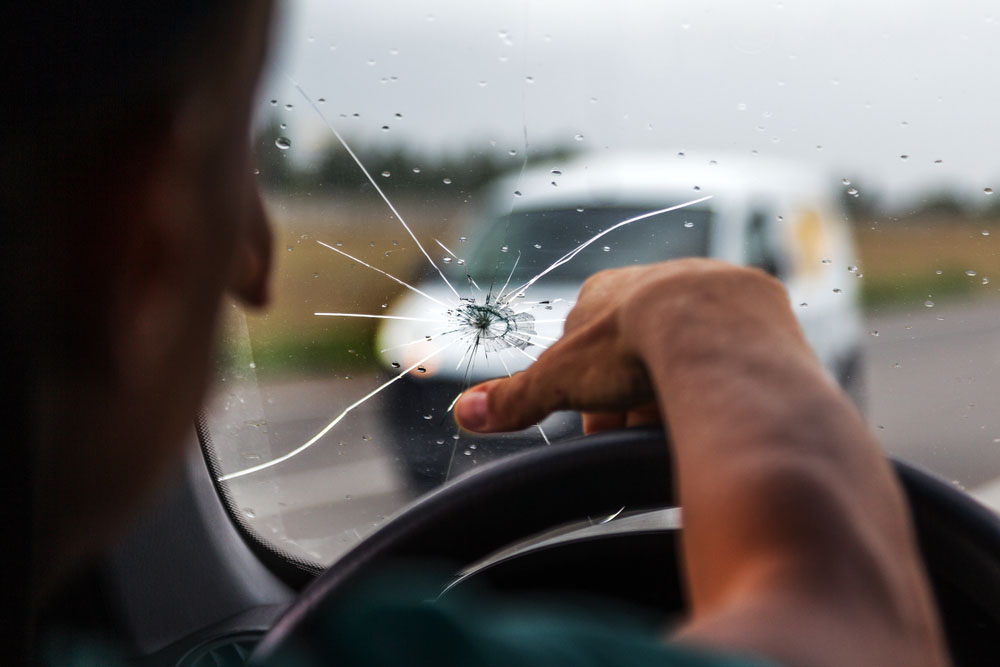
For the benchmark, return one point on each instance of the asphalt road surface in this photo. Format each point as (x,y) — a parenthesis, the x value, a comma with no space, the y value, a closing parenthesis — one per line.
(932,395)
(933,389)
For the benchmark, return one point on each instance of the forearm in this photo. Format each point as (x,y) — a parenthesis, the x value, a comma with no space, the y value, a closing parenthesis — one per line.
(796,538)
(783,487)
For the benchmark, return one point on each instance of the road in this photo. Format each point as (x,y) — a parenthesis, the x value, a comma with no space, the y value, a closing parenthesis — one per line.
(932,395)
(933,389)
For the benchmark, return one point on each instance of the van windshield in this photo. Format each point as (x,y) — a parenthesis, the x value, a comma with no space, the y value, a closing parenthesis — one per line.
(537,239)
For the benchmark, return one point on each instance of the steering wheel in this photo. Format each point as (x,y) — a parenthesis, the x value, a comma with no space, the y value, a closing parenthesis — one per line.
(535,490)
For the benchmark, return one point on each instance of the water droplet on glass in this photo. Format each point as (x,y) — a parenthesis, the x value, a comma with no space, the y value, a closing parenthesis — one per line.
(284,126)
(386,174)
(428,417)
(837,290)
(289,106)
(688,224)
(904,157)
(250,514)
(315,274)
(512,152)
(538,246)
(463,239)
(446,181)
(288,248)
(827,261)
(421,369)
(529,79)
(938,161)
(504,248)
(556,172)
(253,364)
(986,280)
(874,332)
(517,193)
(803,305)
(606,249)
(395,364)
(854,192)
(385,128)
(578,137)
(446,259)
(845,181)
(852,269)
(274,103)
(986,232)
(482,84)
(988,191)
(283,143)
(928,303)
(970,273)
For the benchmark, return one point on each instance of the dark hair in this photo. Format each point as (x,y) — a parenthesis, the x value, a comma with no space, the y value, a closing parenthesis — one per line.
(82,76)
(81,81)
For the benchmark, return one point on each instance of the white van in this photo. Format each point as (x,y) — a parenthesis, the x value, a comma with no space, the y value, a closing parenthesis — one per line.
(516,266)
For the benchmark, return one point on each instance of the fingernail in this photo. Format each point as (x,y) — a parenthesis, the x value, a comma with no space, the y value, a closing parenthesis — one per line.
(471,411)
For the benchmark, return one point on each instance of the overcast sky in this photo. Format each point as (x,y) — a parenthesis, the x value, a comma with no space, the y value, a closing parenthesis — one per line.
(866,81)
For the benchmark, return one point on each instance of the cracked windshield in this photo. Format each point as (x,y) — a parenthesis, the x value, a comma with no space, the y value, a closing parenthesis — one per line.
(443,176)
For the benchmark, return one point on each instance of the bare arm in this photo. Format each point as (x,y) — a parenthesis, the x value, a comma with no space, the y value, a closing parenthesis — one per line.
(797,544)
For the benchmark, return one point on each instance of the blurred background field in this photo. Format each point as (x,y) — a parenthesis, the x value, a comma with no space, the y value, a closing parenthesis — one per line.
(908,261)
(905,261)
(308,278)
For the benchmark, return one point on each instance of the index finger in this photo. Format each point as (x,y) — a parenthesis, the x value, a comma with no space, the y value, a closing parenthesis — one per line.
(510,404)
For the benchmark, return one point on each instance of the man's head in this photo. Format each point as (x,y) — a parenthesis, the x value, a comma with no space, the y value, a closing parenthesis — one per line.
(131,209)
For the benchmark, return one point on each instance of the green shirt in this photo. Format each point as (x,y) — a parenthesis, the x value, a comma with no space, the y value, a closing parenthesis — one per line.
(396,621)
(386,623)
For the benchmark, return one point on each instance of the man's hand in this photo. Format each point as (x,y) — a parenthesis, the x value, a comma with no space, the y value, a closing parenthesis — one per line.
(598,367)
(796,542)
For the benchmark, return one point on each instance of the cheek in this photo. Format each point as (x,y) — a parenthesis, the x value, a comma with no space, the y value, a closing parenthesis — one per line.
(225,188)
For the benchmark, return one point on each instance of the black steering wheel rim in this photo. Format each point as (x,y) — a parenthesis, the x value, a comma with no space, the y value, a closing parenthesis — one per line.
(529,492)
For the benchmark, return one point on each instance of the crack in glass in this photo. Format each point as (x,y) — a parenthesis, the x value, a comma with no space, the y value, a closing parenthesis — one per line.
(487,323)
